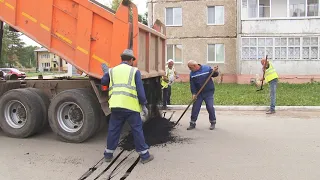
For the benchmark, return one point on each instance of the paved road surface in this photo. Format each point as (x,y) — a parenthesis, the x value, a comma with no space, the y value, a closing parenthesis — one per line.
(245,145)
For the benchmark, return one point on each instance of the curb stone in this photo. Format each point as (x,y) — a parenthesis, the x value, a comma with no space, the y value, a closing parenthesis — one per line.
(249,108)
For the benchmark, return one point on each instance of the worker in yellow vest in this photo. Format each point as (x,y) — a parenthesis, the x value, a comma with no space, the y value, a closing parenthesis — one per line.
(126,100)
(166,81)
(270,77)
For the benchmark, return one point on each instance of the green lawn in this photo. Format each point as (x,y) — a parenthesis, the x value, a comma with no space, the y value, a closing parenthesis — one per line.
(236,94)
(32,74)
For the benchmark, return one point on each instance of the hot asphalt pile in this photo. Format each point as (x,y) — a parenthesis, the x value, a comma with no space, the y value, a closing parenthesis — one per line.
(157,131)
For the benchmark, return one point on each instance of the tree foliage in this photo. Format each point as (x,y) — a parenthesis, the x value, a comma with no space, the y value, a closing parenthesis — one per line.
(14,53)
(141,18)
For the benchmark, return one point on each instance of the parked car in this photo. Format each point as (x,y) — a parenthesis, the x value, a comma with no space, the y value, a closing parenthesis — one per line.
(20,74)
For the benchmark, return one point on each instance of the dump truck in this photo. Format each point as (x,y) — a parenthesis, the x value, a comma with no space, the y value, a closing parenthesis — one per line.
(89,36)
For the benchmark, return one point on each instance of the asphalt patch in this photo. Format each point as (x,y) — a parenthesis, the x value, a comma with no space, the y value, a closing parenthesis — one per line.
(157,132)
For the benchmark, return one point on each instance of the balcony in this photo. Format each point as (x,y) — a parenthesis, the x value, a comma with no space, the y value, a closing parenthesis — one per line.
(281,26)
(280,17)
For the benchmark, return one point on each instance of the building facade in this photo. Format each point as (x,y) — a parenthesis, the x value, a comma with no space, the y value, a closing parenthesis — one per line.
(288,31)
(201,30)
(47,61)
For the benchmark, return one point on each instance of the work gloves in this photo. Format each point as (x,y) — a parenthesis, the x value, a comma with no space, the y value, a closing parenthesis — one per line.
(145,111)
(105,68)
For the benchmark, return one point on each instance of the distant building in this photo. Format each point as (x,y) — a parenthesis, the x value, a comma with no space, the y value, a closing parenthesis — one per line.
(285,30)
(204,30)
(47,61)
(236,34)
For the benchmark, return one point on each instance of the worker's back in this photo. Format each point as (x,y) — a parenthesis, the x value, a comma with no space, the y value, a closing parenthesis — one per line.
(122,90)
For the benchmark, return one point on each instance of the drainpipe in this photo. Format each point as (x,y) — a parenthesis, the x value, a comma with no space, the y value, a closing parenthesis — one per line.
(150,13)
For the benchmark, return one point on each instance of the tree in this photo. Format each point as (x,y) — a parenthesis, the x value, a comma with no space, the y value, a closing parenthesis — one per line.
(141,18)
(115,4)
(27,57)
(12,45)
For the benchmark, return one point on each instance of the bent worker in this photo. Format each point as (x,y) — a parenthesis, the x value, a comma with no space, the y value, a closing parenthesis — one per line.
(271,77)
(166,81)
(127,99)
(198,75)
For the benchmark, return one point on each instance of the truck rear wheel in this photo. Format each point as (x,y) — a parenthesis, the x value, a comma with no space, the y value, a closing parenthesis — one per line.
(74,116)
(19,113)
(44,100)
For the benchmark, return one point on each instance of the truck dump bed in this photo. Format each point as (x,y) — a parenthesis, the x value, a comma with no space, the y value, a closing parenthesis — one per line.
(87,34)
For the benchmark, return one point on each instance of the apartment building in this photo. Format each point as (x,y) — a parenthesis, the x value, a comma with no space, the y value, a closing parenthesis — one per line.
(288,31)
(202,30)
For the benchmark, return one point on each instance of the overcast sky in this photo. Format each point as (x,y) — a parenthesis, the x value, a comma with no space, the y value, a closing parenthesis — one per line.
(141,4)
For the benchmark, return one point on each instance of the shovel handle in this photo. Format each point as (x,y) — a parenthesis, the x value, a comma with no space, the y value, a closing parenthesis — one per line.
(192,101)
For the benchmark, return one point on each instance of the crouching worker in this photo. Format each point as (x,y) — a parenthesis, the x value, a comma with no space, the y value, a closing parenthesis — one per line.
(126,100)
(198,75)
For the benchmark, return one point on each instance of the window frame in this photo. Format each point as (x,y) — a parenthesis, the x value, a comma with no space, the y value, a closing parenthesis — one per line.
(215,53)
(288,15)
(165,16)
(288,46)
(174,58)
(215,24)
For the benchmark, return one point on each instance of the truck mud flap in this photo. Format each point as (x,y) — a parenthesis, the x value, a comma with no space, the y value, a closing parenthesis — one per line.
(8,85)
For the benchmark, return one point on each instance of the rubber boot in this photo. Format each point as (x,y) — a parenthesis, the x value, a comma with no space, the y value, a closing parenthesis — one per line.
(144,161)
(191,126)
(212,126)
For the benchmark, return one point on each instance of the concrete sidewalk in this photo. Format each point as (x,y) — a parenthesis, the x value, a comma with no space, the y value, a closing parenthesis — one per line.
(250,108)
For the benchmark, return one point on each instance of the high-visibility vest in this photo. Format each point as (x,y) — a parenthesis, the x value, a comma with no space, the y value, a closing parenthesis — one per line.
(270,73)
(170,74)
(122,90)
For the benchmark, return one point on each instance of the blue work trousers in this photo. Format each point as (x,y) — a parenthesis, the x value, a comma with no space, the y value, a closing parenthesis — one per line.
(166,96)
(117,120)
(208,99)
(273,88)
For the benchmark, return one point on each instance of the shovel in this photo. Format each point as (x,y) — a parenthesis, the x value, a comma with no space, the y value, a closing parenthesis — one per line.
(193,100)
(264,71)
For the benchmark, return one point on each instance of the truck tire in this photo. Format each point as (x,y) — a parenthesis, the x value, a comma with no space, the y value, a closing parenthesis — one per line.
(103,119)
(73,115)
(19,113)
(44,100)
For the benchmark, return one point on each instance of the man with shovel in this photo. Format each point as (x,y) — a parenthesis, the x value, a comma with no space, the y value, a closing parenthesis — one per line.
(271,77)
(198,76)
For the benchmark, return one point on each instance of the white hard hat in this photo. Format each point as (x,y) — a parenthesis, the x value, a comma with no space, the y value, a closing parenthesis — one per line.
(170,60)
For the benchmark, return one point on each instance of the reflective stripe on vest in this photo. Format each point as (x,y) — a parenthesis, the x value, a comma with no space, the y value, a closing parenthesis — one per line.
(270,73)
(122,90)
(169,72)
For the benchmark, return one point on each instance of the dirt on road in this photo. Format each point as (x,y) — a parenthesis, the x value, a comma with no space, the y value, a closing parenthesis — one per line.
(244,145)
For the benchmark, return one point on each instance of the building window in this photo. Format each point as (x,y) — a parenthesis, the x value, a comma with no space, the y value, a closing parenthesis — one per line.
(174,16)
(174,52)
(293,48)
(45,56)
(215,15)
(310,48)
(215,53)
(313,7)
(297,8)
(280,8)
(258,8)
(281,48)
(280,51)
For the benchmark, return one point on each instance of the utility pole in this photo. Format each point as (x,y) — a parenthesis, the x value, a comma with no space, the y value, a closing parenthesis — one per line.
(1,36)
